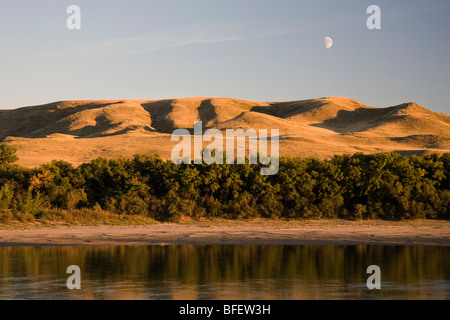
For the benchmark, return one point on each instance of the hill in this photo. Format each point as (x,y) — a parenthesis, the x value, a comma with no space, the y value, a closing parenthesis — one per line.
(78,131)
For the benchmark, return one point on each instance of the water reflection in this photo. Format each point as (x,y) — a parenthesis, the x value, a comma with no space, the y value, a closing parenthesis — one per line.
(225,272)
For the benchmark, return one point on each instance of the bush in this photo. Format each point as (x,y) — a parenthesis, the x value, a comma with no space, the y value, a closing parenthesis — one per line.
(6,203)
(29,206)
(383,186)
(7,154)
(6,198)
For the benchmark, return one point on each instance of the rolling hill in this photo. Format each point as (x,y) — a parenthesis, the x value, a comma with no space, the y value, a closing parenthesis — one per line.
(78,131)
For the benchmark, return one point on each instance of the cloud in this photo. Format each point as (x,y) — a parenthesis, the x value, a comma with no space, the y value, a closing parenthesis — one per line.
(192,35)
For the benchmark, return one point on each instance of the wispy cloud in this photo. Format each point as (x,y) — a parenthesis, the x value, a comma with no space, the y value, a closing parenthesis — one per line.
(411,10)
(192,35)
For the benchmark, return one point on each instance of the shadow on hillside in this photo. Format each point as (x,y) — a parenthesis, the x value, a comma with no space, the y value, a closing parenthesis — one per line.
(206,111)
(158,112)
(46,121)
(359,120)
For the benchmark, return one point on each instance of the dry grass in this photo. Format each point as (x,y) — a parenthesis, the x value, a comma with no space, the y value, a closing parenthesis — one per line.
(58,221)
(78,131)
(318,223)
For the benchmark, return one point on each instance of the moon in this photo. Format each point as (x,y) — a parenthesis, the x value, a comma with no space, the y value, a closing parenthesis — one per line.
(328,42)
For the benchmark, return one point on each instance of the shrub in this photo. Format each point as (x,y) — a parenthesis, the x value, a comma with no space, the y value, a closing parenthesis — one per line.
(7,154)
(29,206)
(383,186)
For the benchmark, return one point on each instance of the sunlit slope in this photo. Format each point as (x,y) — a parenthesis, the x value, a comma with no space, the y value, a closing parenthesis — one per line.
(78,131)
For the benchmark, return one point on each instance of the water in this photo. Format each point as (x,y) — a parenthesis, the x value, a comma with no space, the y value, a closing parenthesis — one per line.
(225,272)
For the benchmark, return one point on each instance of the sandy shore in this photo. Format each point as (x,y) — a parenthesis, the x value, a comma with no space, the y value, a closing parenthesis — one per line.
(222,232)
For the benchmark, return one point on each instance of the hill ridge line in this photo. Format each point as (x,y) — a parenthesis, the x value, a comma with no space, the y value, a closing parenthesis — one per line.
(78,130)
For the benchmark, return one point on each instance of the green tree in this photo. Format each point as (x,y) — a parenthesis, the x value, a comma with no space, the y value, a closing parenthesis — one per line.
(7,154)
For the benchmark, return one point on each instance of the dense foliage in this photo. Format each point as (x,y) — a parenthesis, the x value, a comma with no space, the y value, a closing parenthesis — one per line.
(384,186)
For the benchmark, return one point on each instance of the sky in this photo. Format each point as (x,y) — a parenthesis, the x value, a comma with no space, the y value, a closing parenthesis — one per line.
(262,50)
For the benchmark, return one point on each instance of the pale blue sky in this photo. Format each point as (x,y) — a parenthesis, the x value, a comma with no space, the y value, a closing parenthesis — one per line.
(263,50)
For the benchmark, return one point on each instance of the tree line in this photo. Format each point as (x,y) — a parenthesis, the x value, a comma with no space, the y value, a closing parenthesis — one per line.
(385,186)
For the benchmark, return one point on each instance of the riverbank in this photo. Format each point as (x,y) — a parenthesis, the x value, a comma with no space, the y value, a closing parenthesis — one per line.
(233,232)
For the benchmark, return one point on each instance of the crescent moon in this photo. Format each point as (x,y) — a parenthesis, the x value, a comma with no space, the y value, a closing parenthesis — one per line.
(328,42)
